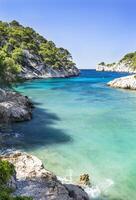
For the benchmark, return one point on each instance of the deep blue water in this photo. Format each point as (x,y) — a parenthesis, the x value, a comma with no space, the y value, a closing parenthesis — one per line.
(80,125)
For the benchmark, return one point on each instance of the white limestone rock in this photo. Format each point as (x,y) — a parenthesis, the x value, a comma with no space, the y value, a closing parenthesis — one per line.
(118,67)
(34,68)
(127,82)
(33,180)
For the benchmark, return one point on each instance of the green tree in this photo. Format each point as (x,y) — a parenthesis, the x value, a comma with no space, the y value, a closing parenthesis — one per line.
(8,69)
(18,56)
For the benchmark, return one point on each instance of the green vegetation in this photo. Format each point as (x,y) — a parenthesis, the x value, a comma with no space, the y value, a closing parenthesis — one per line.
(111,64)
(130,59)
(102,64)
(6,171)
(16,39)
(108,65)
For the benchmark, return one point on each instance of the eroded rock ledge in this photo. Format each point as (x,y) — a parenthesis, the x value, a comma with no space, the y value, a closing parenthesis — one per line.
(128,82)
(33,180)
(14,107)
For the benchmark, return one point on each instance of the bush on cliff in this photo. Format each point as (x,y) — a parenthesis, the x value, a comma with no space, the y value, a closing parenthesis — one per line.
(6,171)
(130,59)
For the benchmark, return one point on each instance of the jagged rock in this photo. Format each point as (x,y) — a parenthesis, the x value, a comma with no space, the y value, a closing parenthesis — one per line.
(14,107)
(33,180)
(84,179)
(128,82)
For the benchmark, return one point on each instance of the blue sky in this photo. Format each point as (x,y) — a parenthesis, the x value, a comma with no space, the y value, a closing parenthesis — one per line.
(92,30)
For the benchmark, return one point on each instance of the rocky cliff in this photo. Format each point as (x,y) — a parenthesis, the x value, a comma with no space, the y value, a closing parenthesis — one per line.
(34,68)
(119,67)
(33,180)
(25,53)
(126,64)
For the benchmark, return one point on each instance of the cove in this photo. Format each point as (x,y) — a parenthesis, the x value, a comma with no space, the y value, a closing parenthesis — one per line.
(80,125)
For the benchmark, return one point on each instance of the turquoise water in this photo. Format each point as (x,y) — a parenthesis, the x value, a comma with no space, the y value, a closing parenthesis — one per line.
(82,126)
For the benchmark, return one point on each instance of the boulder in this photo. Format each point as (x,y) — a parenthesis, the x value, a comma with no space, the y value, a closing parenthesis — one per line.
(15,107)
(33,180)
(128,82)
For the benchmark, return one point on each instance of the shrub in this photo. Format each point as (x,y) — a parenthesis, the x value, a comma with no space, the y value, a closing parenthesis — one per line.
(6,171)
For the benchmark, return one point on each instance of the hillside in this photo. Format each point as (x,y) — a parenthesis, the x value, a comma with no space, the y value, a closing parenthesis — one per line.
(126,64)
(25,53)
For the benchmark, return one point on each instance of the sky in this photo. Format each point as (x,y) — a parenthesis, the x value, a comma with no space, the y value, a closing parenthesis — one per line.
(92,30)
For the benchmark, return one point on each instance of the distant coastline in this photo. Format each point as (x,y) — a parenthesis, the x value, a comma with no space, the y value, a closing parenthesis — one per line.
(126,64)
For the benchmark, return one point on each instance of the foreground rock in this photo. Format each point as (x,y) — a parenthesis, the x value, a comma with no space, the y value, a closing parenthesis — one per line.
(14,107)
(33,180)
(128,82)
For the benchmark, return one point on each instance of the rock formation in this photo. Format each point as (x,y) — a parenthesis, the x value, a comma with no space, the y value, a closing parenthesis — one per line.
(119,67)
(33,180)
(14,107)
(34,68)
(128,82)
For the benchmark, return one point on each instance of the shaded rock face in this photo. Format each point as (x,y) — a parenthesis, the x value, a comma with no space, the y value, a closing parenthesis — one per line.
(12,182)
(128,82)
(33,180)
(76,192)
(35,68)
(14,107)
(119,67)
(2,95)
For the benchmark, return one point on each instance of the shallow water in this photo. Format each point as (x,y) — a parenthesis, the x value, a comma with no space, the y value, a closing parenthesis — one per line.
(82,126)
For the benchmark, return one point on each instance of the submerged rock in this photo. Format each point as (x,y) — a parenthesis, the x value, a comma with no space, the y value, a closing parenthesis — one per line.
(14,107)
(84,180)
(33,180)
(128,82)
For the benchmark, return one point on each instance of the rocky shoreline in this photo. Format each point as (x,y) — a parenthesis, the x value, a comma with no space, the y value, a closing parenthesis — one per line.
(119,67)
(31,179)
(128,82)
(14,107)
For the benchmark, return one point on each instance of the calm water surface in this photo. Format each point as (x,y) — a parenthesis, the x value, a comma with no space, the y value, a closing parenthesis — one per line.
(82,126)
